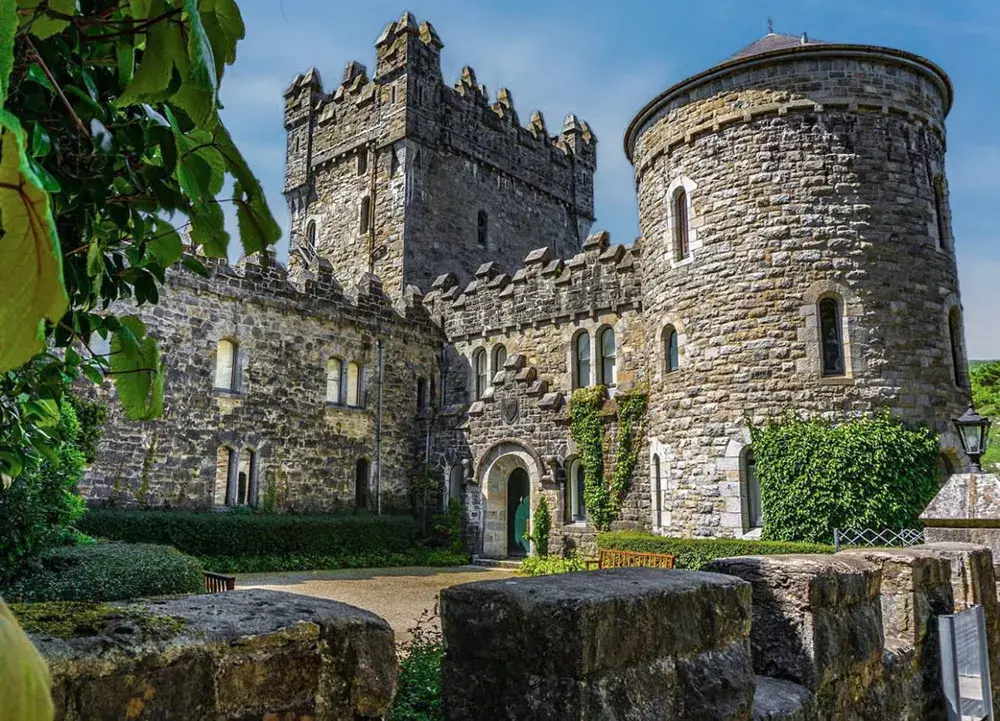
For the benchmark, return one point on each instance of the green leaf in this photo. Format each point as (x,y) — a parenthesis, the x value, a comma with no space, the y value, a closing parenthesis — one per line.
(47,181)
(93,374)
(30,257)
(224,28)
(195,266)
(208,229)
(13,463)
(164,47)
(137,370)
(43,25)
(41,144)
(125,60)
(199,92)
(36,73)
(8,28)
(167,247)
(257,226)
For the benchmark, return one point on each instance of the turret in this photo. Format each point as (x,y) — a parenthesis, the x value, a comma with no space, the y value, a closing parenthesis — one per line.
(301,99)
(404,46)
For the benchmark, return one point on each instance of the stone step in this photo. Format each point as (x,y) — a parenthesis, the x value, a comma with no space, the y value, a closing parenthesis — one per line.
(496,562)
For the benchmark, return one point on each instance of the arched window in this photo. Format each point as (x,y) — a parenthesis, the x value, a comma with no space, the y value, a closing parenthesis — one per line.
(362,161)
(581,360)
(223,462)
(242,493)
(957,356)
(225,365)
(682,246)
(455,482)
(753,508)
(609,372)
(479,374)
(575,491)
(311,235)
(482,227)
(361,472)
(353,396)
(334,376)
(365,215)
(671,349)
(830,337)
(939,215)
(499,358)
(657,493)
(421,394)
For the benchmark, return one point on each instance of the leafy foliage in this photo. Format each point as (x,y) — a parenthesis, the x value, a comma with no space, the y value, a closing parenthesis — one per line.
(549,565)
(418,687)
(695,553)
(110,140)
(817,475)
(252,542)
(447,528)
(106,572)
(39,510)
(587,411)
(986,396)
(542,528)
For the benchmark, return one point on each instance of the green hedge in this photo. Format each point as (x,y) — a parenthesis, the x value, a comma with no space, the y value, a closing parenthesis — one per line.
(240,535)
(251,543)
(694,553)
(106,572)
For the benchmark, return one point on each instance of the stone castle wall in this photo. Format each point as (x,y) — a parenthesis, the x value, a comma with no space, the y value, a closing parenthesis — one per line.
(436,157)
(799,186)
(306,449)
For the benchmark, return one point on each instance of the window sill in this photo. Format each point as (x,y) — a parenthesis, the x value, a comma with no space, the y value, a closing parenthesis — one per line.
(576,525)
(227,393)
(836,381)
(682,262)
(329,405)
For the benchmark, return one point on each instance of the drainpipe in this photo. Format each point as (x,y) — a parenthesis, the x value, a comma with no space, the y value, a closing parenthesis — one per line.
(378,432)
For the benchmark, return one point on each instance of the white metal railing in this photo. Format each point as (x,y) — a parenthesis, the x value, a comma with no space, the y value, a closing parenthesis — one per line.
(873,537)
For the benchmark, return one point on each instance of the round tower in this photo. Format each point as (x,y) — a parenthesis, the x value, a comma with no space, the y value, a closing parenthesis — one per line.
(797,254)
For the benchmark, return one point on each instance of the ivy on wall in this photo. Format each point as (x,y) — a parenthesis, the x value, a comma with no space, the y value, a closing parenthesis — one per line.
(603,495)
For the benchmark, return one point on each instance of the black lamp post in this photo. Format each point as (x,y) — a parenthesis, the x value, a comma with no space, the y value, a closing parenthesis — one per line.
(974,432)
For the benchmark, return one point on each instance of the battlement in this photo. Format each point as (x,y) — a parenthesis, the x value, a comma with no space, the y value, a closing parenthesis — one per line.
(545,290)
(319,294)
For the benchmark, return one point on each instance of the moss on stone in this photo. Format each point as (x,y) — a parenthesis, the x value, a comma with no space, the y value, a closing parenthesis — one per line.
(68,619)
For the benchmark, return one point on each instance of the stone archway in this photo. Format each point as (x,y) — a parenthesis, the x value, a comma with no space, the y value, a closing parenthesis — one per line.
(495,470)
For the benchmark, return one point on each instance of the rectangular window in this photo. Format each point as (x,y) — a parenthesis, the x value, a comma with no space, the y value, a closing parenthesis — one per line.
(421,394)
(831,342)
(362,161)
(353,385)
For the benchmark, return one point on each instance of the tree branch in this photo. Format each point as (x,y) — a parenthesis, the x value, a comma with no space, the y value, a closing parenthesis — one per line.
(45,68)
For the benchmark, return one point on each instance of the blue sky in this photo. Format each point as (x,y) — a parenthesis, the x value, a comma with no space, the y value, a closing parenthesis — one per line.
(604,60)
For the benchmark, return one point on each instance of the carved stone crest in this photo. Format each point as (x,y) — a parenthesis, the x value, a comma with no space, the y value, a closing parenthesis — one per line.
(509,410)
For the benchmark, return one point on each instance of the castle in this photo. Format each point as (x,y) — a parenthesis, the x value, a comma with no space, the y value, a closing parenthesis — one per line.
(445,295)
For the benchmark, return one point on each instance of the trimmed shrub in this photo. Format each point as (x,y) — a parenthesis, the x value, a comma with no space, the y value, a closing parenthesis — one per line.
(694,553)
(106,572)
(548,565)
(817,475)
(238,535)
(250,542)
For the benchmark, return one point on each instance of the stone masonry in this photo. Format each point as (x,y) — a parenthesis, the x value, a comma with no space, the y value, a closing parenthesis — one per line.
(432,223)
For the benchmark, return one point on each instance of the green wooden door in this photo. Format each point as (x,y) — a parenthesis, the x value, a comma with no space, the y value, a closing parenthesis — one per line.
(518,513)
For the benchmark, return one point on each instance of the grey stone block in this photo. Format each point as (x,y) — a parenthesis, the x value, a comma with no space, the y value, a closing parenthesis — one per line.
(613,644)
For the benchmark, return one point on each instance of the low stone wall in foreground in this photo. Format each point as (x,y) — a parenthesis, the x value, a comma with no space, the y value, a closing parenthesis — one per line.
(845,637)
(240,655)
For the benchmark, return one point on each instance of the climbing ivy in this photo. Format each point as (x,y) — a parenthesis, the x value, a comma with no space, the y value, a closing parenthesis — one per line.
(587,410)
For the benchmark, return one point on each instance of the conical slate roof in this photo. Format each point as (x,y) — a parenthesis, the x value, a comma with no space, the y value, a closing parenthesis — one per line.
(775,41)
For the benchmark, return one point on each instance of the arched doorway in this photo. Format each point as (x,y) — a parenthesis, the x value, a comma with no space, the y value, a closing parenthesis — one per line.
(361,483)
(506,474)
(518,512)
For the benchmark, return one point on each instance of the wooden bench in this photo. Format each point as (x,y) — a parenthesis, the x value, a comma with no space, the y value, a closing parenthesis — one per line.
(218,582)
(612,558)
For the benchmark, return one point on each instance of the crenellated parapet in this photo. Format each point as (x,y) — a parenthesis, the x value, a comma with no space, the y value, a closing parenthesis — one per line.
(545,290)
(319,294)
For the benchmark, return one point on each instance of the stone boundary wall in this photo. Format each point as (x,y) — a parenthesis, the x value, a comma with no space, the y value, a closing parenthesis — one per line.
(240,655)
(845,637)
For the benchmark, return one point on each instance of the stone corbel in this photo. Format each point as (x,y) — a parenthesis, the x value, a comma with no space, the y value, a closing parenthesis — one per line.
(467,476)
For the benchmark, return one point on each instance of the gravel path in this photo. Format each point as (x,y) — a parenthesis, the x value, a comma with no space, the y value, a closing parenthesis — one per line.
(399,595)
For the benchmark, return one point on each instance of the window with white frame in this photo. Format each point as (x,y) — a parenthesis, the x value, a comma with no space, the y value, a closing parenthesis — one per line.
(581,360)
(608,367)
(226,356)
